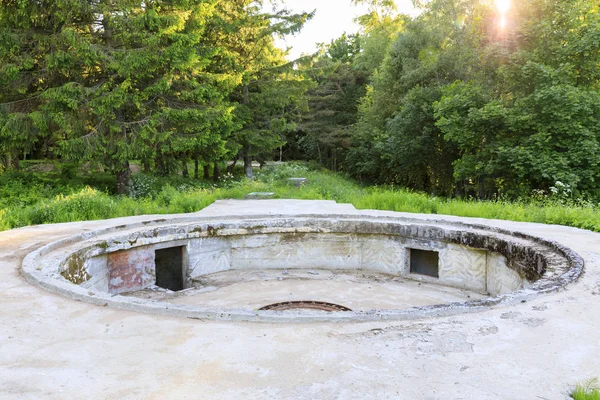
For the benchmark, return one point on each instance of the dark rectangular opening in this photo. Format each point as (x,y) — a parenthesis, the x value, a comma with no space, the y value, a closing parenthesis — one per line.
(424,262)
(169,268)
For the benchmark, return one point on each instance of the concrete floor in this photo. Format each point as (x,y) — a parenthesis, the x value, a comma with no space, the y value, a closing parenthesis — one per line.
(355,290)
(55,348)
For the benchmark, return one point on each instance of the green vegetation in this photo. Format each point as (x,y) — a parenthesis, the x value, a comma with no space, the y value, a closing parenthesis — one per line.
(587,391)
(461,104)
(161,81)
(39,198)
(463,100)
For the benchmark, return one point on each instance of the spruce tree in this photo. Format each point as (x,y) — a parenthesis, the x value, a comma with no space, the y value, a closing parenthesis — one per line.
(112,80)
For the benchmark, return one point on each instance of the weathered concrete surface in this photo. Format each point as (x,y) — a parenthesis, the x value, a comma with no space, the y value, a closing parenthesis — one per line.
(336,241)
(55,348)
(354,289)
(130,270)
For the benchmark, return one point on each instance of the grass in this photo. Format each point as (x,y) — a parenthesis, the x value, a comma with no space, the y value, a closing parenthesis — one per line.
(38,198)
(589,390)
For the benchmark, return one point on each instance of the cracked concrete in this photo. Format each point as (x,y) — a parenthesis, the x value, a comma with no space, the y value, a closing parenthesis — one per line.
(57,348)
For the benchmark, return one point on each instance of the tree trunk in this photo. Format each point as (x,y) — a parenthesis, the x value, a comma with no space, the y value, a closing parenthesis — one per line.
(248,162)
(146,165)
(319,151)
(158,164)
(231,167)
(246,149)
(216,173)
(162,166)
(124,179)
(196,166)
(185,172)
(206,171)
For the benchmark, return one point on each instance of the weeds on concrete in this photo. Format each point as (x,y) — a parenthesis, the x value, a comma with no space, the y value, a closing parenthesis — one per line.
(589,390)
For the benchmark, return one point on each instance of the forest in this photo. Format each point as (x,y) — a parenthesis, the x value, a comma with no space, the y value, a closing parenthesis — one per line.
(466,100)
(473,99)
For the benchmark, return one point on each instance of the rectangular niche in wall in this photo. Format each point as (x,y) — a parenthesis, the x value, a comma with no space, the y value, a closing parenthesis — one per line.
(423,262)
(169,268)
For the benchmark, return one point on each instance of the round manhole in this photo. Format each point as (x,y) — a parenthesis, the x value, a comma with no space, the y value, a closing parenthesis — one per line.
(305,305)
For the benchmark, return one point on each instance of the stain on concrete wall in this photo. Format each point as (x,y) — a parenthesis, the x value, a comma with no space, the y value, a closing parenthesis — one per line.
(297,250)
(98,272)
(131,270)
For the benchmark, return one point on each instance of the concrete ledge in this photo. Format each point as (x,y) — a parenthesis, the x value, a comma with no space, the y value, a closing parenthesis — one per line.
(550,264)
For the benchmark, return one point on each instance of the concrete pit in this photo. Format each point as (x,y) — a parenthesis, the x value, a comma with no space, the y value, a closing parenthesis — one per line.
(535,342)
(230,267)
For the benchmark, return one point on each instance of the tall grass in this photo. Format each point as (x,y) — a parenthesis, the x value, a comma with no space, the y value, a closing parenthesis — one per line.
(92,204)
(49,200)
(589,390)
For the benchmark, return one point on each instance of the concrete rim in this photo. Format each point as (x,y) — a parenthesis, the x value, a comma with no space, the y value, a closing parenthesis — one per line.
(32,272)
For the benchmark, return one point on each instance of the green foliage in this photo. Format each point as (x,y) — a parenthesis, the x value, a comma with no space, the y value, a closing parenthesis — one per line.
(67,170)
(20,188)
(332,103)
(525,144)
(380,27)
(269,94)
(452,102)
(50,199)
(589,390)
(461,106)
(161,81)
(396,139)
(419,155)
(342,72)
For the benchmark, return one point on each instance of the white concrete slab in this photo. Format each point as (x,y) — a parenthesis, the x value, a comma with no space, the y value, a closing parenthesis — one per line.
(54,348)
(276,207)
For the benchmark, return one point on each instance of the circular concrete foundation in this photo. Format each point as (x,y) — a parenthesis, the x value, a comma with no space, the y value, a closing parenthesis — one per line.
(388,267)
(57,348)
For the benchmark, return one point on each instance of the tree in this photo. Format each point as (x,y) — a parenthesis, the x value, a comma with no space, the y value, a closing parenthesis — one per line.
(39,75)
(539,125)
(115,79)
(379,27)
(332,102)
(269,91)
(342,72)
(465,104)
(162,81)
(395,139)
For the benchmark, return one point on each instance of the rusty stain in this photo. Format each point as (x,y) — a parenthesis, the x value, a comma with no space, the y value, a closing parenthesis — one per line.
(305,305)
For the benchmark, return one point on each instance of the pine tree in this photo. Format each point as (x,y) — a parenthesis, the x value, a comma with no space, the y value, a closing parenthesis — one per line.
(270,92)
(112,80)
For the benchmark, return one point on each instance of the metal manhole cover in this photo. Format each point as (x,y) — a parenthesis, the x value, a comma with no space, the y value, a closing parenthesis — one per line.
(304,305)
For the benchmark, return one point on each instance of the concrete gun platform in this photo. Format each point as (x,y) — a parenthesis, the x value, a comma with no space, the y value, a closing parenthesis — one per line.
(56,348)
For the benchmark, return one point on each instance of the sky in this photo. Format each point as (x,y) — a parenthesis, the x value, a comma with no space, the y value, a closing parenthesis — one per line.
(332,19)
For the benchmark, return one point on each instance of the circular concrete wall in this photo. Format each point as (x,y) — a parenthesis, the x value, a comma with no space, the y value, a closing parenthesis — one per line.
(100,266)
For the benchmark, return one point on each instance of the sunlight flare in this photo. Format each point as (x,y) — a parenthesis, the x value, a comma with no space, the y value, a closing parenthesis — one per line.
(503,5)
